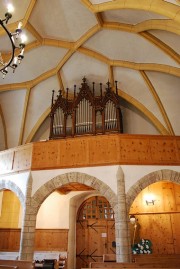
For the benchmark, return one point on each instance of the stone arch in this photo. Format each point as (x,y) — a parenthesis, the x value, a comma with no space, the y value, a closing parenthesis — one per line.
(6,184)
(44,191)
(160,175)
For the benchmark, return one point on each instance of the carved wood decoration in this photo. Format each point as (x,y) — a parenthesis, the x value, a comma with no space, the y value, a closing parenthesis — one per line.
(86,113)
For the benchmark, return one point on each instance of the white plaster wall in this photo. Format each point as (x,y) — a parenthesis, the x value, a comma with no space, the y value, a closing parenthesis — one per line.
(54,211)
(107,174)
(135,172)
(20,180)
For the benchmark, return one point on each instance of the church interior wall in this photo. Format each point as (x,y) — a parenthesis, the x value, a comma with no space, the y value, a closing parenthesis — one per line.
(19,179)
(62,221)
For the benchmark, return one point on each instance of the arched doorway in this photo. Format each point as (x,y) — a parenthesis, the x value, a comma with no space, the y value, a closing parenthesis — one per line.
(10,222)
(95,231)
(157,213)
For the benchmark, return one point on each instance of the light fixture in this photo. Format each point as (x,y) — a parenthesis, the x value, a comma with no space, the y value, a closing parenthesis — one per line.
(13,60)
(132,219)
(149,198)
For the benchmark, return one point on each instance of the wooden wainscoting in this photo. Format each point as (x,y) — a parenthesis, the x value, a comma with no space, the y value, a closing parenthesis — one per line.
(51,239)
(45,239)
(9,239)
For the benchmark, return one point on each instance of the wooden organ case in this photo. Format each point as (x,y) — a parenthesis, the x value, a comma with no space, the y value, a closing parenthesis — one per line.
(86,113)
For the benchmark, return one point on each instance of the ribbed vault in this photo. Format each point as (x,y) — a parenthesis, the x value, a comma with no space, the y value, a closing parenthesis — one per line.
(64,47)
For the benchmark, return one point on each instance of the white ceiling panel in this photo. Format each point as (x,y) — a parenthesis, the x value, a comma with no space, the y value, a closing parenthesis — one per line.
(170,39)
(20,8)
(135,123)
(80,66)
(12,104)
(67,20)
(168,89)
(36,62)
(99,1)
(71,20)
(127,47)
(175,2)
(132,83)
(43,132)
(2,140)
(39,102)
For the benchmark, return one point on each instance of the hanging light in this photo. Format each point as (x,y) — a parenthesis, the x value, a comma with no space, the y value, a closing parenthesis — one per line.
(13,61)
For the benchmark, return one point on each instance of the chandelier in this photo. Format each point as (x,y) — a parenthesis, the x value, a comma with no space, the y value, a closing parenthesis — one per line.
(11,60)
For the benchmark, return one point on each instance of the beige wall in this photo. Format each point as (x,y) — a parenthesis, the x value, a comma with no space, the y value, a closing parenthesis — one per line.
(54,212)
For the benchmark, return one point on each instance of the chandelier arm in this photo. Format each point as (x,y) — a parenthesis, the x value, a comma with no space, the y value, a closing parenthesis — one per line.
(13,46)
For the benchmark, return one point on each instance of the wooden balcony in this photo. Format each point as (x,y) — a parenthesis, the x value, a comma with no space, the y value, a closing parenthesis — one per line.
(112,149)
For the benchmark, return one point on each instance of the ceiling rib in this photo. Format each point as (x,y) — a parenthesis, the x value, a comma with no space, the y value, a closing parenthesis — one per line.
(111,75)
(160,7)
(4,128)
(29,12)
(125,96)
(165,25)
(37,125)
(169,51)
(158,101)
(145,111)
(99,19)
(33,31)
(61,86)
(26,102)
(135,66)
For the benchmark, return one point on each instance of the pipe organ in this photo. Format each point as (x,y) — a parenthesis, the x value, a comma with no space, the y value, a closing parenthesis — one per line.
(86,113)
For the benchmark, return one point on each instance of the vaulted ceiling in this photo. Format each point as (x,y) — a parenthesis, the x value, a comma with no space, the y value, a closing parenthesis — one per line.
(136,43)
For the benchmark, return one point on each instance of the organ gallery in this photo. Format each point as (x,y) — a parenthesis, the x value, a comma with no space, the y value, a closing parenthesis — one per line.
(87,112)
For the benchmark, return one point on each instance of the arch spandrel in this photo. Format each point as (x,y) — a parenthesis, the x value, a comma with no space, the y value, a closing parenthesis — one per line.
(44,191)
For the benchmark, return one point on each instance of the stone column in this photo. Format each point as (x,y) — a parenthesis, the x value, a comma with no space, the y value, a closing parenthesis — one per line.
(27,241)
(123,249)
(72,235)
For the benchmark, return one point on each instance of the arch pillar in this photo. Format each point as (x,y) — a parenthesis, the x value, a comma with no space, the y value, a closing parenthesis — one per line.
(123,250)
(27,241)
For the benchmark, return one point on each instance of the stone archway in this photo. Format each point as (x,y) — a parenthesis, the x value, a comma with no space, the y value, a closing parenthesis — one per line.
(160,175)
(162,222)
(45,190)
(7,184)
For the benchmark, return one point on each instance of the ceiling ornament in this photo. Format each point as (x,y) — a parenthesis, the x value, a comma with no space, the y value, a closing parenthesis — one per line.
(11,60)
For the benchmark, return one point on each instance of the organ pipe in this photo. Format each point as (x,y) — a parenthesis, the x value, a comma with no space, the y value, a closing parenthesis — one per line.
(86,113)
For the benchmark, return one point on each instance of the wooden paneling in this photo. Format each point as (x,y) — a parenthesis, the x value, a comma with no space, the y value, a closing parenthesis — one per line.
(51,239)
(159,222)
(9,239)
(93,151)
(45,239)
(16,159)
(6,161)
(106,150)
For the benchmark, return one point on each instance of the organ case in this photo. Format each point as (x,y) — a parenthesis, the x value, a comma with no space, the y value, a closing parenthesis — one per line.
(85,113)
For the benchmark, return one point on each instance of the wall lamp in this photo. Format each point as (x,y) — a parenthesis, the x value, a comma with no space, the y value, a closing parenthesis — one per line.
(149,198)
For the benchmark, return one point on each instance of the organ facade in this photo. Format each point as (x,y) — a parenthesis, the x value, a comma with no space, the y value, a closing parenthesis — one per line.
(86,113)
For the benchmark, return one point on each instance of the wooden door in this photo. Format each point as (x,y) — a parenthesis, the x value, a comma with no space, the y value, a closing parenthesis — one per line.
(95,232)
